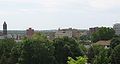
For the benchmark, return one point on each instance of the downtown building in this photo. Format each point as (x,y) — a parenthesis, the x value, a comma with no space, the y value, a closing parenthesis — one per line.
(67,32)
(15,34)
(18,35)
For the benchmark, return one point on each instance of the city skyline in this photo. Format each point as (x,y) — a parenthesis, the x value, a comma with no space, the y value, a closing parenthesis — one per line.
(54,14)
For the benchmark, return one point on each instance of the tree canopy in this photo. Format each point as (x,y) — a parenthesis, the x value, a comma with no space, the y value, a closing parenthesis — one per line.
(115,56)
(66,47)
(79,60)
(40,50)
(103,33)
(114,42)
(5,49)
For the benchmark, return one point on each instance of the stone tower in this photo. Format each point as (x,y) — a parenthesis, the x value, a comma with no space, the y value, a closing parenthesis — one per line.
(4,28)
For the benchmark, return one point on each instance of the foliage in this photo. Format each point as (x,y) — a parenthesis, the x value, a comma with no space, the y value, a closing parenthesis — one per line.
(114,50)
(94,51)
(95,37)
(15,54)
(103,33)
(115,56)
(79,60)
(102,57)
(40,50)
(5,49)
(39,36)
(115,42)
(83,49)
(84,37)
(66,47)
(37,50)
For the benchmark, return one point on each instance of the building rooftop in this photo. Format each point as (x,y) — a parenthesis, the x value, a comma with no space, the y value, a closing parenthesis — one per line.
(103,43)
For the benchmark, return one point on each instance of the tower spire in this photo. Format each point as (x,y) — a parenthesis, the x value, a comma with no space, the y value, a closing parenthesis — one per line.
(4,28)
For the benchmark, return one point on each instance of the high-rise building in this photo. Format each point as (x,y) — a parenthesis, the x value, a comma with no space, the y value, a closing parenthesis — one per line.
(4,29)
(116,27)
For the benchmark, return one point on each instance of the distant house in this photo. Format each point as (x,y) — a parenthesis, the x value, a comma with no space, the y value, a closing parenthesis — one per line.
(104,43)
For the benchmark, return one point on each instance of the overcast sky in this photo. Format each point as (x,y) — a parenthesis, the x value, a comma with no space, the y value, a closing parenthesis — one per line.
(53,14)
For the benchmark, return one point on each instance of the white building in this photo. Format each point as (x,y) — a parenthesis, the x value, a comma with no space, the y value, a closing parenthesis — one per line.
(116,27)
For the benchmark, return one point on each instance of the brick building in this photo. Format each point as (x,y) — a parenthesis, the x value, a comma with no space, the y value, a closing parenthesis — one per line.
(29,32)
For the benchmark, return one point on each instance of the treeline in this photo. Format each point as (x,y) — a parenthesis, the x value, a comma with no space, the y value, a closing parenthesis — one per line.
(40,50)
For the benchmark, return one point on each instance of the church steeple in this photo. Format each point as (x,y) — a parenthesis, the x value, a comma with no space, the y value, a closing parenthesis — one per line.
(5,28)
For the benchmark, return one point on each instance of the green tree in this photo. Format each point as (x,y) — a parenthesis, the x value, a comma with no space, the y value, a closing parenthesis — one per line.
(115,56)
(103,33)
(102,57)
(115,42)
(94,51)
(37,50)
(15,54)
(79,60)
(5,49)
(95,37)
(84,37)
(66,47)
(83,49)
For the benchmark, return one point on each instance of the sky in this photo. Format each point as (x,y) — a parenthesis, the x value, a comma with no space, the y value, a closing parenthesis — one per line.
(54,14)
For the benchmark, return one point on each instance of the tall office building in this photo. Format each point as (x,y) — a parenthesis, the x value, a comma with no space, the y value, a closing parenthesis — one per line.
(4,28)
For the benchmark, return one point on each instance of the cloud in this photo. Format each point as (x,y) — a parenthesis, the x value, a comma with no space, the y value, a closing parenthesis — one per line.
(104,4)
(8,13)
(18,1)
(28,11)
(51,6)
(17,12)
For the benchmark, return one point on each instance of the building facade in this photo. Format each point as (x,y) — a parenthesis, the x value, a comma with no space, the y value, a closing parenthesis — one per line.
(92,30)
(67,32)
(29,32)
(116,27)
